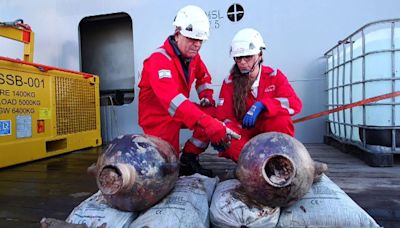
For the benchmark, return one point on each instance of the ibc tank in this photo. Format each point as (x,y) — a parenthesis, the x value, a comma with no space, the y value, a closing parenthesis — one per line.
(363,65)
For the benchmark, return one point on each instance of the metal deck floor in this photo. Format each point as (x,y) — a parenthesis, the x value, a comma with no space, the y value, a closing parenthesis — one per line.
(53,187)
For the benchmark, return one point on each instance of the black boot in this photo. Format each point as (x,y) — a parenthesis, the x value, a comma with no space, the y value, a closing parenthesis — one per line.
(229,173)
(190,165)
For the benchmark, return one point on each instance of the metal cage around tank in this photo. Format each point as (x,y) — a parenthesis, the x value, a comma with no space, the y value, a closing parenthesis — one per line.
(363,65)
(44,110)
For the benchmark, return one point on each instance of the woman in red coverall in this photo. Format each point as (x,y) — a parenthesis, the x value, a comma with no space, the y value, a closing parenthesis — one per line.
(254,98)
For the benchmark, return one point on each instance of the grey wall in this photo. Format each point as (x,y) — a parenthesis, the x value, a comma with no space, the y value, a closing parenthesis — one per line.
(297,34)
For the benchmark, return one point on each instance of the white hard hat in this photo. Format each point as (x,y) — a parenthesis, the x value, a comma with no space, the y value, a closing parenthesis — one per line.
(193,22)
(247,41)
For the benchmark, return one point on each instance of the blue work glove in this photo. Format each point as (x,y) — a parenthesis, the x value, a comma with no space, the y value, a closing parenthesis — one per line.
(250,118)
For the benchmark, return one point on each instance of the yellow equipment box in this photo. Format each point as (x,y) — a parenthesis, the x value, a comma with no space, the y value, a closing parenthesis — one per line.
(45,111)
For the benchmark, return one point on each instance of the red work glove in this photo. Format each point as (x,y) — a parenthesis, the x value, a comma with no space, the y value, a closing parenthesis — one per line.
(214,129)
(206,98)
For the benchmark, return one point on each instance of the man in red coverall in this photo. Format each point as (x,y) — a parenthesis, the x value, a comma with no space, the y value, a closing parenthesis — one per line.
(167,77)
(254,98)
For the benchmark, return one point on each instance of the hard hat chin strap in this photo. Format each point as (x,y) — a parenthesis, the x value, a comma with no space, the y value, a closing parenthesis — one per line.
(247,72)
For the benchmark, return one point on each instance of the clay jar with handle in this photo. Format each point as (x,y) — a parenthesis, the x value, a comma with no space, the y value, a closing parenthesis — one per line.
(136,171)
(276,169)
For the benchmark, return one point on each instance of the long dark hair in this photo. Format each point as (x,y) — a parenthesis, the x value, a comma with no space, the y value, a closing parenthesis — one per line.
(241,86)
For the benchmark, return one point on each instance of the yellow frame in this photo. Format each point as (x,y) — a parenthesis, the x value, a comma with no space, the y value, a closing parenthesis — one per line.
(25,85)
(17,34)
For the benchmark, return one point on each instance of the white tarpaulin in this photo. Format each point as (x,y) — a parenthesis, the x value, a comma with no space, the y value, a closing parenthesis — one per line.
(325,205)
(232,208)
(186,206)
(95,212)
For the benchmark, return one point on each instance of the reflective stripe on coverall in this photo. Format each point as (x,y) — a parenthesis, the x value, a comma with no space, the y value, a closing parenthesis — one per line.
(278,97)
(164,107)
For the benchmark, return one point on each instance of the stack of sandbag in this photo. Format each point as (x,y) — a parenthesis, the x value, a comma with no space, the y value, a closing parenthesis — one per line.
(186,206)
(230,207)
(325,205)
(95,212)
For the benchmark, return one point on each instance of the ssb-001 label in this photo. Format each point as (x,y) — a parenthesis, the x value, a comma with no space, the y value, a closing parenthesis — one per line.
(17,80)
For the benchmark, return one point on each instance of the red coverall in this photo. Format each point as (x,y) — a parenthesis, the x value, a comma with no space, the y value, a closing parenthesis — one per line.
(164,107)
(277,95)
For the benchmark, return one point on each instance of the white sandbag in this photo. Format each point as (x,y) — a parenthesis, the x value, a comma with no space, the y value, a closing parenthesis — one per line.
(232,208)
(325,205)
(95,211)
(186,206)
